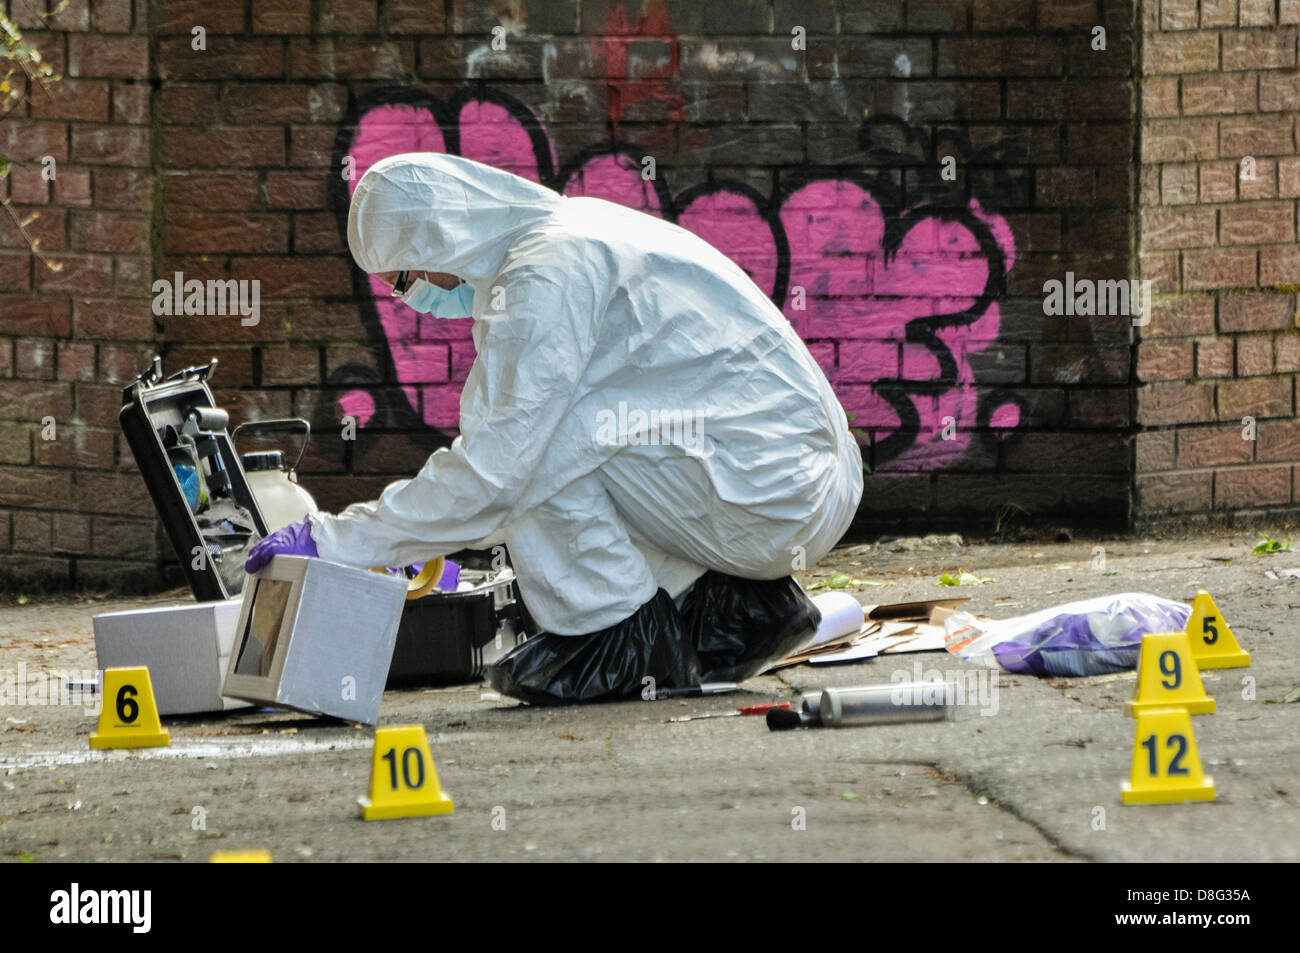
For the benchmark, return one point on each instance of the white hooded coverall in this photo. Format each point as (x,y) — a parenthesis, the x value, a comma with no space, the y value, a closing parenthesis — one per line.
(591,322)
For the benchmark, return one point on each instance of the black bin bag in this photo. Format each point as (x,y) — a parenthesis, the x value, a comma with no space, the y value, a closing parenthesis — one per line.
(740,626)
(608,665)
(727,630)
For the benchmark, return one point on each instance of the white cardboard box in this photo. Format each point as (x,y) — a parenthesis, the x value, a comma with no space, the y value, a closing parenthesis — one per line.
(316,636)
(186,649)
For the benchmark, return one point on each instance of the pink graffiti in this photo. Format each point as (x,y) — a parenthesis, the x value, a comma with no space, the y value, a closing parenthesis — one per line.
(880,322)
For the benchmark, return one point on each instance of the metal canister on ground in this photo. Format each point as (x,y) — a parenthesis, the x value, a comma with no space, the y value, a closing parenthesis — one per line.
(885,704)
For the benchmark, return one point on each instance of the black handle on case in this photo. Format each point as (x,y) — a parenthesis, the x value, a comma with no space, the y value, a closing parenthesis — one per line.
(273,426)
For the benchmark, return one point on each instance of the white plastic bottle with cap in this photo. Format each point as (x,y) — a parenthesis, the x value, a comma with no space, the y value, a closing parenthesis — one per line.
(275,486)
(281,499)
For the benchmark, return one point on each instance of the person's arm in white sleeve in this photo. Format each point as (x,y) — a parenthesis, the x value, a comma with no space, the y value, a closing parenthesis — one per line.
(531,357)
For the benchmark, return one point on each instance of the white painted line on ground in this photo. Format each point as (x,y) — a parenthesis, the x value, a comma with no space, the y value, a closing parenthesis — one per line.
(214,749)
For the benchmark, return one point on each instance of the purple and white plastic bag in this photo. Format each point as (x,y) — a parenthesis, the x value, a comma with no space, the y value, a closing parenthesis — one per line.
(1090,637)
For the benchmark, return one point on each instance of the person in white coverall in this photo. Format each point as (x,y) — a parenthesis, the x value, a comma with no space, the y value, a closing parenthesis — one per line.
(639,415)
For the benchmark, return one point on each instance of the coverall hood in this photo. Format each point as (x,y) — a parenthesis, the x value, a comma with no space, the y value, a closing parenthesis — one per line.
(428,211)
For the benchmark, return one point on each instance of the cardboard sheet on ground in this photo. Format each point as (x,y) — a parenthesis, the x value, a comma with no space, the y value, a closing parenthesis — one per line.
(889,628)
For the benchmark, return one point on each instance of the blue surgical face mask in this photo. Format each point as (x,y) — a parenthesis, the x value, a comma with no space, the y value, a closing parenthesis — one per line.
(427,298)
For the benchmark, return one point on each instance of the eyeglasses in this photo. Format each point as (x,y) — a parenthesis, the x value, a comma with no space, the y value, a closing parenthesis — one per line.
(402,284)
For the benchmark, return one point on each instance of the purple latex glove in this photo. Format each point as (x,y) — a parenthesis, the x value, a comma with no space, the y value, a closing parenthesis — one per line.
(292,540)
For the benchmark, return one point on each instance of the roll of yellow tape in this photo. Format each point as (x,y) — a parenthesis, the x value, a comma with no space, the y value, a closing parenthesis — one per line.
(426,581)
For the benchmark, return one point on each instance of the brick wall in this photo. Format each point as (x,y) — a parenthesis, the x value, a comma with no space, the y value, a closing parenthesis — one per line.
(71,510)
(1220,177)
(902,187)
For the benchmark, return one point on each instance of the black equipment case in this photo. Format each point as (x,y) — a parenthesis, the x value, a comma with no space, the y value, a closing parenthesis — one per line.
(180,442)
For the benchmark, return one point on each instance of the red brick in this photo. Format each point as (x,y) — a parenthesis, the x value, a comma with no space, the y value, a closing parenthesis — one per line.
(216,16)
(30,401)
(1154,450)
(247,58)
(414,16)
(15,447)
(82,274)
(290,189)
(76,361)
(110,231)
(1180,52)
(213,191)
(29,140)
(35,359)
(234,232)
(1278,91)
(32,532)
(1254,355)
(28,186)
(1214,358)
(1251,486)
(281,16)
(255,103)
(1257,223)
(1256,312)
(106,55)
(1287,348)
(124,189)
(112,320)
(73,99)
(282,366)
(1263,185)
(112,145)
(1262,135)
(76,447)
(1213,446)
(1164,360)
(189,103)
(1179,140)
(1256,13)
(1161,269)
(72,186)
(1288,178)
(131,102)
(1218,181)
(1174,403)
(1258,49)
(15,272)
(125,539)
(226,148)
(122,365)
(1178,184)
(1218,13)
(1278,440)
(1220,268)
(362,16)
(351,58)
(312,147)
(39,488)
(1174,492)
(1219,93)
(112,16)
(1178,15)
(1159,96)
(1280,266)
(1177,227)
(296,276)
(1258,397)
(71,533)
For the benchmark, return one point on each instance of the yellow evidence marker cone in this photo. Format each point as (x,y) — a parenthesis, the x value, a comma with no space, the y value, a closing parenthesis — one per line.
(240,857)
(129,717)
(1168,677)
(1166,765)
(1213,643)
(403,780)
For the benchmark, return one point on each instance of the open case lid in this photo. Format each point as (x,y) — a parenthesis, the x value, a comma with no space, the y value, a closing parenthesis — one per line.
(172,423)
